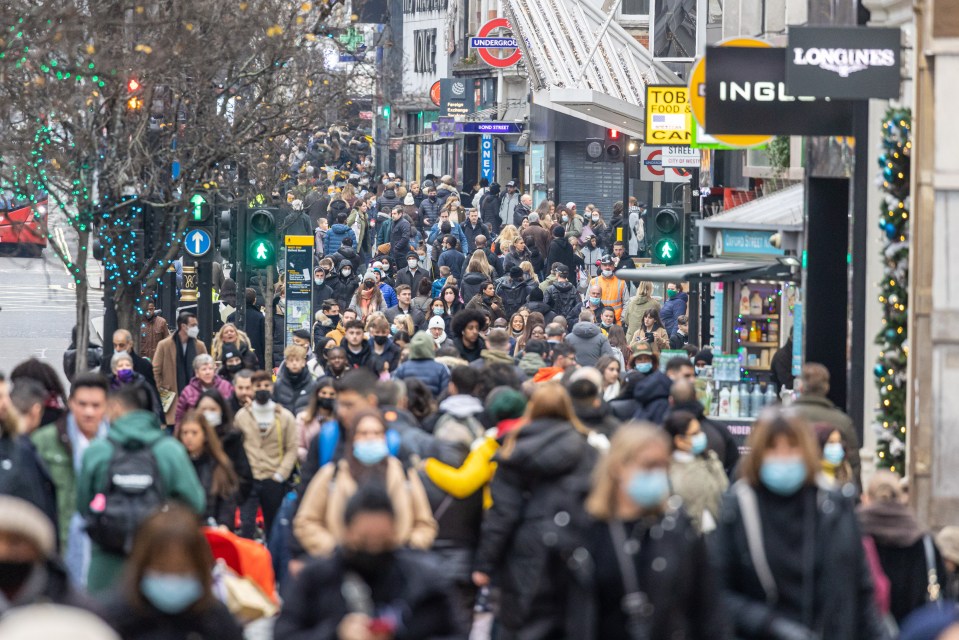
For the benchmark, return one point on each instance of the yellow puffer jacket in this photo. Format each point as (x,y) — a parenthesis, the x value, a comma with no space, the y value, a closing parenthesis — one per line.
(475,473)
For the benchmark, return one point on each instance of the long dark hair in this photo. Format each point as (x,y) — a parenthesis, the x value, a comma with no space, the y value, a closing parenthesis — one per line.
(225,481)
(654,314)
(226,425)
(314,407)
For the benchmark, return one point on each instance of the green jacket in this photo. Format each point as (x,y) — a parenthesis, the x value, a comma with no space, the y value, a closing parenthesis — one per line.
(53,447)
(135,429)
(357,216)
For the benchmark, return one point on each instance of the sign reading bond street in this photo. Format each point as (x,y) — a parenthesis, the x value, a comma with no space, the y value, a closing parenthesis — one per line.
(746,94)
(668,115)
(853,63)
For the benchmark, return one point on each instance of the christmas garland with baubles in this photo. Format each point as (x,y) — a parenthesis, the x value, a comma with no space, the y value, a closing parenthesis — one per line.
(893,338)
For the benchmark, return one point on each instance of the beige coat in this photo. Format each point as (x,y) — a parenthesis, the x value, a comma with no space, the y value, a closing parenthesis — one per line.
(319,522)
(701,483)
(164,369)
(272,451)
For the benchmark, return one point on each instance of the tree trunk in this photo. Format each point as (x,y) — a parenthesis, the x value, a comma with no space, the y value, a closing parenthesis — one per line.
(83,304)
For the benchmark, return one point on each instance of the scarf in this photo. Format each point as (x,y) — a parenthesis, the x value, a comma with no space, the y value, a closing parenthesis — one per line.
(184,362)
(890,523)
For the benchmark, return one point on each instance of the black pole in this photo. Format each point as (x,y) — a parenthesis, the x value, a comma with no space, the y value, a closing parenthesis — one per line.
(858,248)
(692,314)
(110,324)
(204,301)
(239,271)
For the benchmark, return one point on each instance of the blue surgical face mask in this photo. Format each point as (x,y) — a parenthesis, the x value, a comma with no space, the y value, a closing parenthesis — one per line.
(700,370)
(438,311)
(369,452)
(170,592)
(833,452)
(699,443)
(648,489)
(783,476)
(644,367)
(595,301)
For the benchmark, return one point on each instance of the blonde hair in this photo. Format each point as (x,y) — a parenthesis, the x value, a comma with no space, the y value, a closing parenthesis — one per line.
(527,268)
(626,443)
(506,237)
(479,264)
(645,288)
(884,486)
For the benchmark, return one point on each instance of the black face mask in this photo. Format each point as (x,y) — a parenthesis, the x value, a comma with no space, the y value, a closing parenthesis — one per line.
(233,368)
(380,340)
(13,575)
(369,565)
(262,396)
(334,319)
(432,198)
(325,403)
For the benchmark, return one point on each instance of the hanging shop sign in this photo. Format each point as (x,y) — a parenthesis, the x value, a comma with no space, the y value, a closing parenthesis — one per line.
(668,115)
(456,97)
(851,63)
(697,99)
(746,94)
(487,158)
(485,43)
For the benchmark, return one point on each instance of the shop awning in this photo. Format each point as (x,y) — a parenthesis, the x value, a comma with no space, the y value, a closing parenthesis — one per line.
(556,38)
(779,211)
(713,270)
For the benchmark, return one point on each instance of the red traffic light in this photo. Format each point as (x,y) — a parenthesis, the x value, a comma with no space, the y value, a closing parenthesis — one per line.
(613,134)
(133,85)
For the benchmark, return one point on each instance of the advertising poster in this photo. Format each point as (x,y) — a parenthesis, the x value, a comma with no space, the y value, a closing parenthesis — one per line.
(298,265)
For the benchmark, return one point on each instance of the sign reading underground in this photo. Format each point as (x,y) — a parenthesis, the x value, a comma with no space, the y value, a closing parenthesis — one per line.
(668,115)
(484,44)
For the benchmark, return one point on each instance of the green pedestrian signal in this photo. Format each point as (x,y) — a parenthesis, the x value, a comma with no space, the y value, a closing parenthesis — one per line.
(666,235)
(199,208)
(261,233)
(667,252)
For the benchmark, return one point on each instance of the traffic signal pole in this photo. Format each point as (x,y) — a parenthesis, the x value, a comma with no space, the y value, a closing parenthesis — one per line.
(204,301)
(239,267)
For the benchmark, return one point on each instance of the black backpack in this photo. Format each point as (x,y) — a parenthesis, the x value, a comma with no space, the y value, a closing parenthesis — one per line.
(134,490)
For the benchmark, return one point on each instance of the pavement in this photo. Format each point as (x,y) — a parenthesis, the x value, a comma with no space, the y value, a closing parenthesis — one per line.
(38,309)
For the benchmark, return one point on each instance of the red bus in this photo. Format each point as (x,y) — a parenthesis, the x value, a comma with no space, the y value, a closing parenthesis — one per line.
(21,226)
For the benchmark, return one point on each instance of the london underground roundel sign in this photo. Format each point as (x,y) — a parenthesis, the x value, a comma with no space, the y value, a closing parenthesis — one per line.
(484,44)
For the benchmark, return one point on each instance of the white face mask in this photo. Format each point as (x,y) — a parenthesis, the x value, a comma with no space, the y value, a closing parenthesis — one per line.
(193,332)
(213,418)
(412,264)
(607,272)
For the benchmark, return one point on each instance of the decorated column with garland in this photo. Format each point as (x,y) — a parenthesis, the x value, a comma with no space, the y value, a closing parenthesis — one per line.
(893,337)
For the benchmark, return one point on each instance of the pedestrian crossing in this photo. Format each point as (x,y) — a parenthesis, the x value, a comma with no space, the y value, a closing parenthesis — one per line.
(52,297)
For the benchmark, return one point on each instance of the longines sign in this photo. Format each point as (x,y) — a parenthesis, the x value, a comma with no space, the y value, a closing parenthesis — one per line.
(853,63)
(746,94)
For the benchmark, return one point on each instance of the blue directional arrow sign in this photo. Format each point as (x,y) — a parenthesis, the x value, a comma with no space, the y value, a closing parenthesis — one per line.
(197,242)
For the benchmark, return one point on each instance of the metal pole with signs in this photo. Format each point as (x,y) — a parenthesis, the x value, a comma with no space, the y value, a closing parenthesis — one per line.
(299,285)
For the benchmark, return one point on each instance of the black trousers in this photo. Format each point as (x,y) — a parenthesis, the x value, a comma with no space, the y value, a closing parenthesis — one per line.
(268,495)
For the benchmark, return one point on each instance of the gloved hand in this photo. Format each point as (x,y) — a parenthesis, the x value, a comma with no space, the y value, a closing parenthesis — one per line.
(783,629)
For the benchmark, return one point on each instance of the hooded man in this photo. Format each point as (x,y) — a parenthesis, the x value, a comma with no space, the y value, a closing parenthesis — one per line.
(562,296)
(422,364)
(489,207)
(514,291)
(508,203)
(588,341)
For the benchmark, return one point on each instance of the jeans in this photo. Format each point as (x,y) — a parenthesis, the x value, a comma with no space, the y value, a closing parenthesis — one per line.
(266,494)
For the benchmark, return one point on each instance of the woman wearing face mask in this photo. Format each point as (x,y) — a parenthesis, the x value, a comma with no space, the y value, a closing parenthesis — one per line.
(368,299)
(599,228)
(213,468)
(787,551)
(320,410)
(834,464)
(123,375)
(592,252)
(232,362)
(215,410)
(647,385)
(450,295)
(168,591)
(345,284)
(696,475)
(543,470)
(318,525)
(642,547)
(204,377)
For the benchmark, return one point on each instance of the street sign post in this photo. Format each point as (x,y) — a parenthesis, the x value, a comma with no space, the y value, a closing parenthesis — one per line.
(197,242)
(299,284)
(484,44)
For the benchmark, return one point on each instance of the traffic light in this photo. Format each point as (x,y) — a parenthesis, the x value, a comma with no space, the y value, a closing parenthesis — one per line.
(134,95)
(226,233)
(200,209)
(614,146)
(595,149)
(261,239)
(667,239)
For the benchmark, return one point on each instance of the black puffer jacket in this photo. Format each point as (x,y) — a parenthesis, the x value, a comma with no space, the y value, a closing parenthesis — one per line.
(232,441)
(563,298)
(514,293)
(344,288)
(220,510)
(293,390)
(147,623)
(652,394)
(843,606)
(541,307)
(522,542)
(471,284)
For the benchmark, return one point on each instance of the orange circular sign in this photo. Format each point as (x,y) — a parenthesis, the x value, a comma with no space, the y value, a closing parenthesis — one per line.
(435,93)
(697,96)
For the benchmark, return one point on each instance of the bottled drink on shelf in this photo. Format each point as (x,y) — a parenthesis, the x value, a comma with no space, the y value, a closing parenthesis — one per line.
(734,402)
(745,401)
(770,395)
(756,401)
(724,402)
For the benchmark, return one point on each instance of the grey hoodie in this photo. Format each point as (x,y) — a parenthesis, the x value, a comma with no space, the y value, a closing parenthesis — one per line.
(589,342)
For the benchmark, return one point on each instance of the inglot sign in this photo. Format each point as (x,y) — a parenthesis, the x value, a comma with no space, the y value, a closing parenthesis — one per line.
(746,94)
(854,63)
